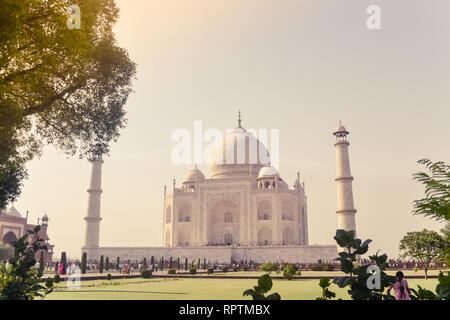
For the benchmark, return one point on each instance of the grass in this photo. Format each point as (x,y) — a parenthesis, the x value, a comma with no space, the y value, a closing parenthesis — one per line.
(198,289)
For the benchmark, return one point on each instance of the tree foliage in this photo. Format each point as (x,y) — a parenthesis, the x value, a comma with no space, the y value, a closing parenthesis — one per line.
(264,285)
(19,278)
(357,275)
(436,203)
(425,246)
(60,86)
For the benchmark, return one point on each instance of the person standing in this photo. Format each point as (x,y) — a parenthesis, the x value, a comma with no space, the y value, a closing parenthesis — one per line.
(400,287)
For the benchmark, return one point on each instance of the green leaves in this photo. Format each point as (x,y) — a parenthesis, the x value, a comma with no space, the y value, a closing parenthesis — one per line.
(58,86)
(344,238)
(443,288)
(436,203)
(424,246)
(422,294)
(342,282)
(264,286)
(358,284)
(325,283)
(20,280)
(265,282)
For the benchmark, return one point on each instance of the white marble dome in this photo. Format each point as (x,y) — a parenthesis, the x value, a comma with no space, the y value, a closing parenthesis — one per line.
(268,171)
(240,153)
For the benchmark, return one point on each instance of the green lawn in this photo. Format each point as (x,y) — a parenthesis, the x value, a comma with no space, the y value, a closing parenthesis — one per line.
(196,289)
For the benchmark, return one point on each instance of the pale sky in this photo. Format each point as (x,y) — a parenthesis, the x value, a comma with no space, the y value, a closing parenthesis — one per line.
(297,66)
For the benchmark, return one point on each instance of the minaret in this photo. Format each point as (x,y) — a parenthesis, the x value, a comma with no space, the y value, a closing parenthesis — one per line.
(345,208)
(93,213)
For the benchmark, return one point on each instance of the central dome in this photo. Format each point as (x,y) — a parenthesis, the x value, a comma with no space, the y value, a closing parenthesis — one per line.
(239,154)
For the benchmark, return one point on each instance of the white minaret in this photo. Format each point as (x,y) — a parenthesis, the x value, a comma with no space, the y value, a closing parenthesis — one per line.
(345,208)
(93,212)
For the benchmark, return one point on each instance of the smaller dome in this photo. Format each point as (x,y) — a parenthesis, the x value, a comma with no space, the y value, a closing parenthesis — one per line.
(268,171)
(13,212)
(340,130)
(193,174)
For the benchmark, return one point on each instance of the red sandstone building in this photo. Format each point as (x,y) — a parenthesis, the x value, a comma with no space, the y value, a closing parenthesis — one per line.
(13,226)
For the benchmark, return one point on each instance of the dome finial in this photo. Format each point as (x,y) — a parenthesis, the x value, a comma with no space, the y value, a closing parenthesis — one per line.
(239,119)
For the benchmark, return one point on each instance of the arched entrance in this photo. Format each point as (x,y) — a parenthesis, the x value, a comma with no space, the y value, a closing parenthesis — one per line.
(9,237)
(223,223)
(264,236)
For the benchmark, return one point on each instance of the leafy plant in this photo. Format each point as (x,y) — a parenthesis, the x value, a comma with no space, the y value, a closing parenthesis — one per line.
(436,203)
(288,271)
(210,270)
(422,294)
(57,278)
(146,274)
(357,277)
(224,269)
(171,271)
(269,266)
(325,283)
(108,277)
(443,287)
(19,280)
(264,285)
(193,270)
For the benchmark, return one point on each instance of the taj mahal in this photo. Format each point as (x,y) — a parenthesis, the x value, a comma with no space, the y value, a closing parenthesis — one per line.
(243,211)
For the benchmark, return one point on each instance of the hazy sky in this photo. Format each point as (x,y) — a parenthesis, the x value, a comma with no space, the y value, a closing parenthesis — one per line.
(297,66)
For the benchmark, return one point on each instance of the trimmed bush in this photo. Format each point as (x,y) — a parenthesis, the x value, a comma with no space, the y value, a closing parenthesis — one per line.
(146,274)
(171,271)
(224,269)
(108,277)
(64,261)
(322,267)
(83,263)
(210,270)
(192,271)
(57,278)
(107,264)
(269,266)
(288,271)
(235,269)
(100,269)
